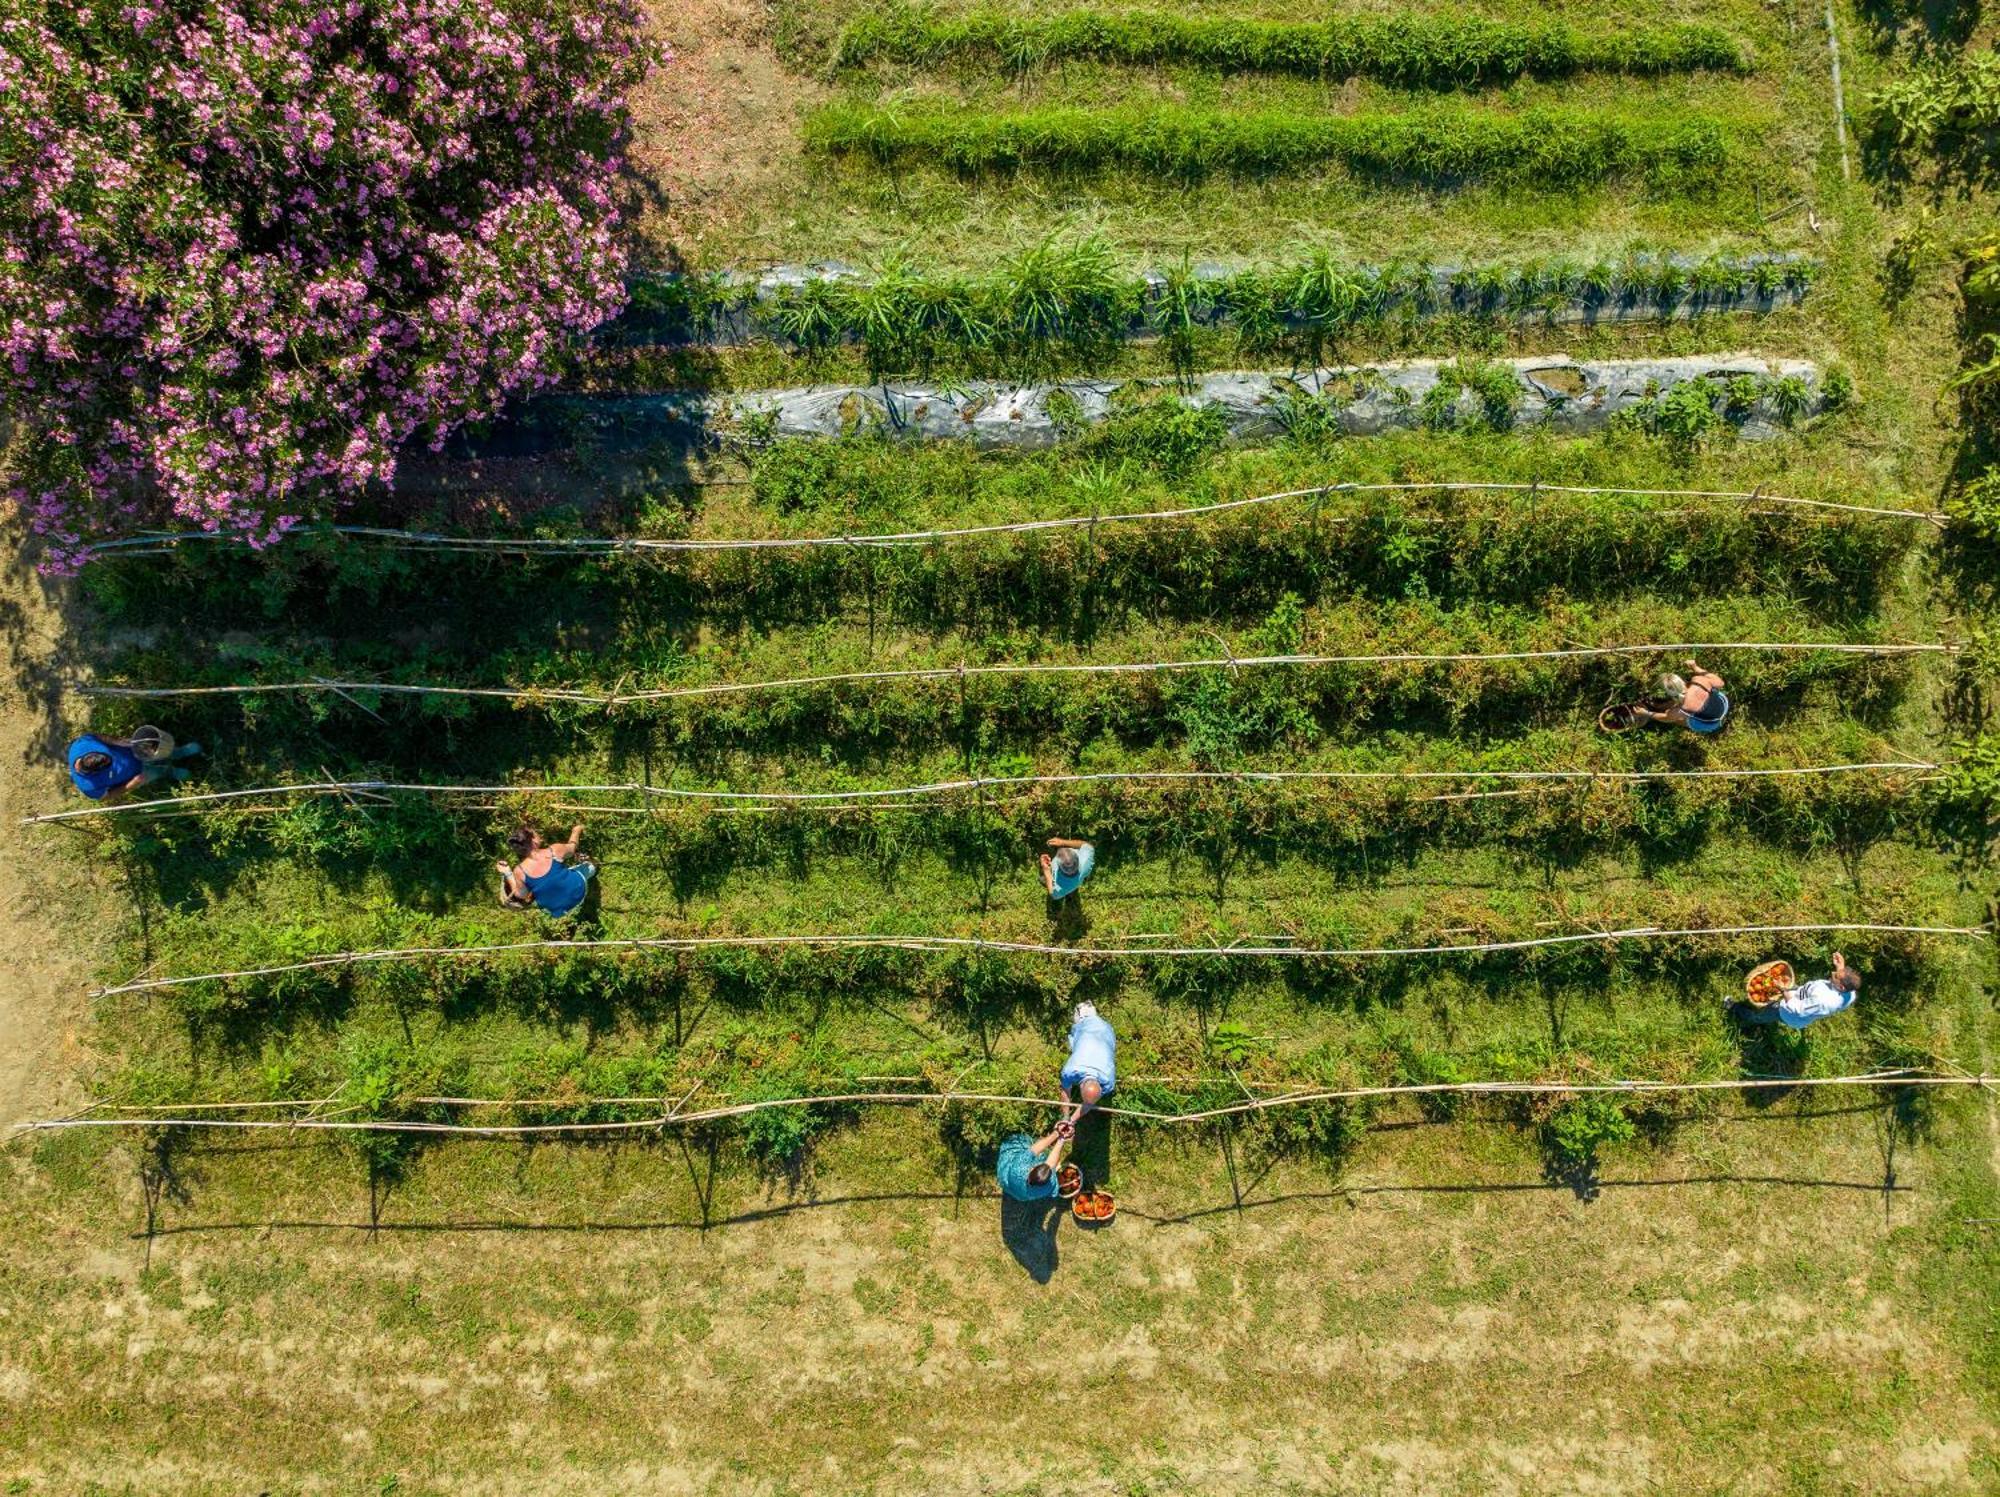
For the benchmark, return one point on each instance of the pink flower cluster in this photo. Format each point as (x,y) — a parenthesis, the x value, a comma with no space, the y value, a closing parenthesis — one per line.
(248,248)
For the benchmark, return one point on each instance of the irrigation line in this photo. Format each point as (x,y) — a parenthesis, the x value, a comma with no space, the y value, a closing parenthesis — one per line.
(905,1099)
(960,671)
(1019,948)
(1839,95)
(160,543)
(857,799)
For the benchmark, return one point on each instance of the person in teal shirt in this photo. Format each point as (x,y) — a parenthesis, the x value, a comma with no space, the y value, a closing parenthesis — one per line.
(1027,1167)
(1066,865)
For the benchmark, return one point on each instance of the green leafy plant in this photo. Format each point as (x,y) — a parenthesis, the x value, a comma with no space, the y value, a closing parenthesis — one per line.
(1578,1128)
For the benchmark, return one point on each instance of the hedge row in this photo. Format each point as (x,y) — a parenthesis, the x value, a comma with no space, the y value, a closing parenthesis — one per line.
(681,853)
(1442,51)
(1550,148)
(1233,566)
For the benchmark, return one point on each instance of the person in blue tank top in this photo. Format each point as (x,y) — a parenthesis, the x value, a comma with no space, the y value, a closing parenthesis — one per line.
(544,878)
(1700,704)
(104,768)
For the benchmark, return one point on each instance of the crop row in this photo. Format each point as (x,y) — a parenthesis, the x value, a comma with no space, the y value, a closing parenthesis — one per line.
(669,852)
(1077,298)
(1548,148)
(782,688)
(1944,101)
(1410,51)
(1232,566)
(1168,1070)
(779,963)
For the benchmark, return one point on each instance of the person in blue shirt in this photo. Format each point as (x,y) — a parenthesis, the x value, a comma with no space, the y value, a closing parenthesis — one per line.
(1066,865)
(544,878)
(1091,1072)
(1027,1166)
(1809,1002)
(107,768)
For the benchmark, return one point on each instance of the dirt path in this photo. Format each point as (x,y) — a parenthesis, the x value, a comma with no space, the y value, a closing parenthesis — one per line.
(46,966)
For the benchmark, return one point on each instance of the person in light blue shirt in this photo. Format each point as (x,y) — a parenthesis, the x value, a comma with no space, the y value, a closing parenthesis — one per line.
(1027,1166)
(1091,1072)
(1066,865)
(1809,1002)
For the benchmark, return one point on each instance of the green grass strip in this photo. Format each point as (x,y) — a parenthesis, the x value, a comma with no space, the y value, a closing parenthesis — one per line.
(1409,51)
(1547,147)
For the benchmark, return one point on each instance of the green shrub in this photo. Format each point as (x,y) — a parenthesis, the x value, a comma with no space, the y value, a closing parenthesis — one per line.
(1582,1125)
(1976,507)
(1168,437)
(1939,101)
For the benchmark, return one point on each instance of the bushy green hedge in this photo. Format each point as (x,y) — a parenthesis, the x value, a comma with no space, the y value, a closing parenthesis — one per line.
(1412,51)
(1549,148)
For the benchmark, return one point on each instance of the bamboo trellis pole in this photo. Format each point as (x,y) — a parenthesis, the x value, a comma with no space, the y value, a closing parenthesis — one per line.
(221,799)
(1068,668)
(743,1109)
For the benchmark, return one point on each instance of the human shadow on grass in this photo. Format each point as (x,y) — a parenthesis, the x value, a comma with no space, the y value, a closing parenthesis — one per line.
(1029,1230)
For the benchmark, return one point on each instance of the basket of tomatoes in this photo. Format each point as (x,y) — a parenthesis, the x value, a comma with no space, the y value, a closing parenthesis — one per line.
(1768,982)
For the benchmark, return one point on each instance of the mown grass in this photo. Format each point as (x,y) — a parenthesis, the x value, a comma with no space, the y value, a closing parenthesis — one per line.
(907,1308)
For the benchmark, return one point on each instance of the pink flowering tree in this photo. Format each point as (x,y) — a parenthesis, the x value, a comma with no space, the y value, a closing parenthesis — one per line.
(248,248)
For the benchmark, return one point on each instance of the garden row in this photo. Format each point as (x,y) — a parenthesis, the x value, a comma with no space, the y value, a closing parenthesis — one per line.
(1077,296)
(1548,148)
(387,1066)
(443,842)
(797,688)
(1229,567)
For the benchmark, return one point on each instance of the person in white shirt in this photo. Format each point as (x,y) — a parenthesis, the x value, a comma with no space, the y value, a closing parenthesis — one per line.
(1809,1002)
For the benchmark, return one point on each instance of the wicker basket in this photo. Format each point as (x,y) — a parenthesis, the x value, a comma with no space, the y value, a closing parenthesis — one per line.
(1094,1208)
(1767,983)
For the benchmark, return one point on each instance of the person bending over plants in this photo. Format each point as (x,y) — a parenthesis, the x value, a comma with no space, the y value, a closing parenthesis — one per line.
(106,768)
(1091,1072)
(543,878)
(1027,1167)
(1066,866)
(1699,704)
(1808,1003)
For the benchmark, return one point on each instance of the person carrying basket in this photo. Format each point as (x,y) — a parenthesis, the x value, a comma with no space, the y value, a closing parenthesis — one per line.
(105,768)
(1800,1006)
